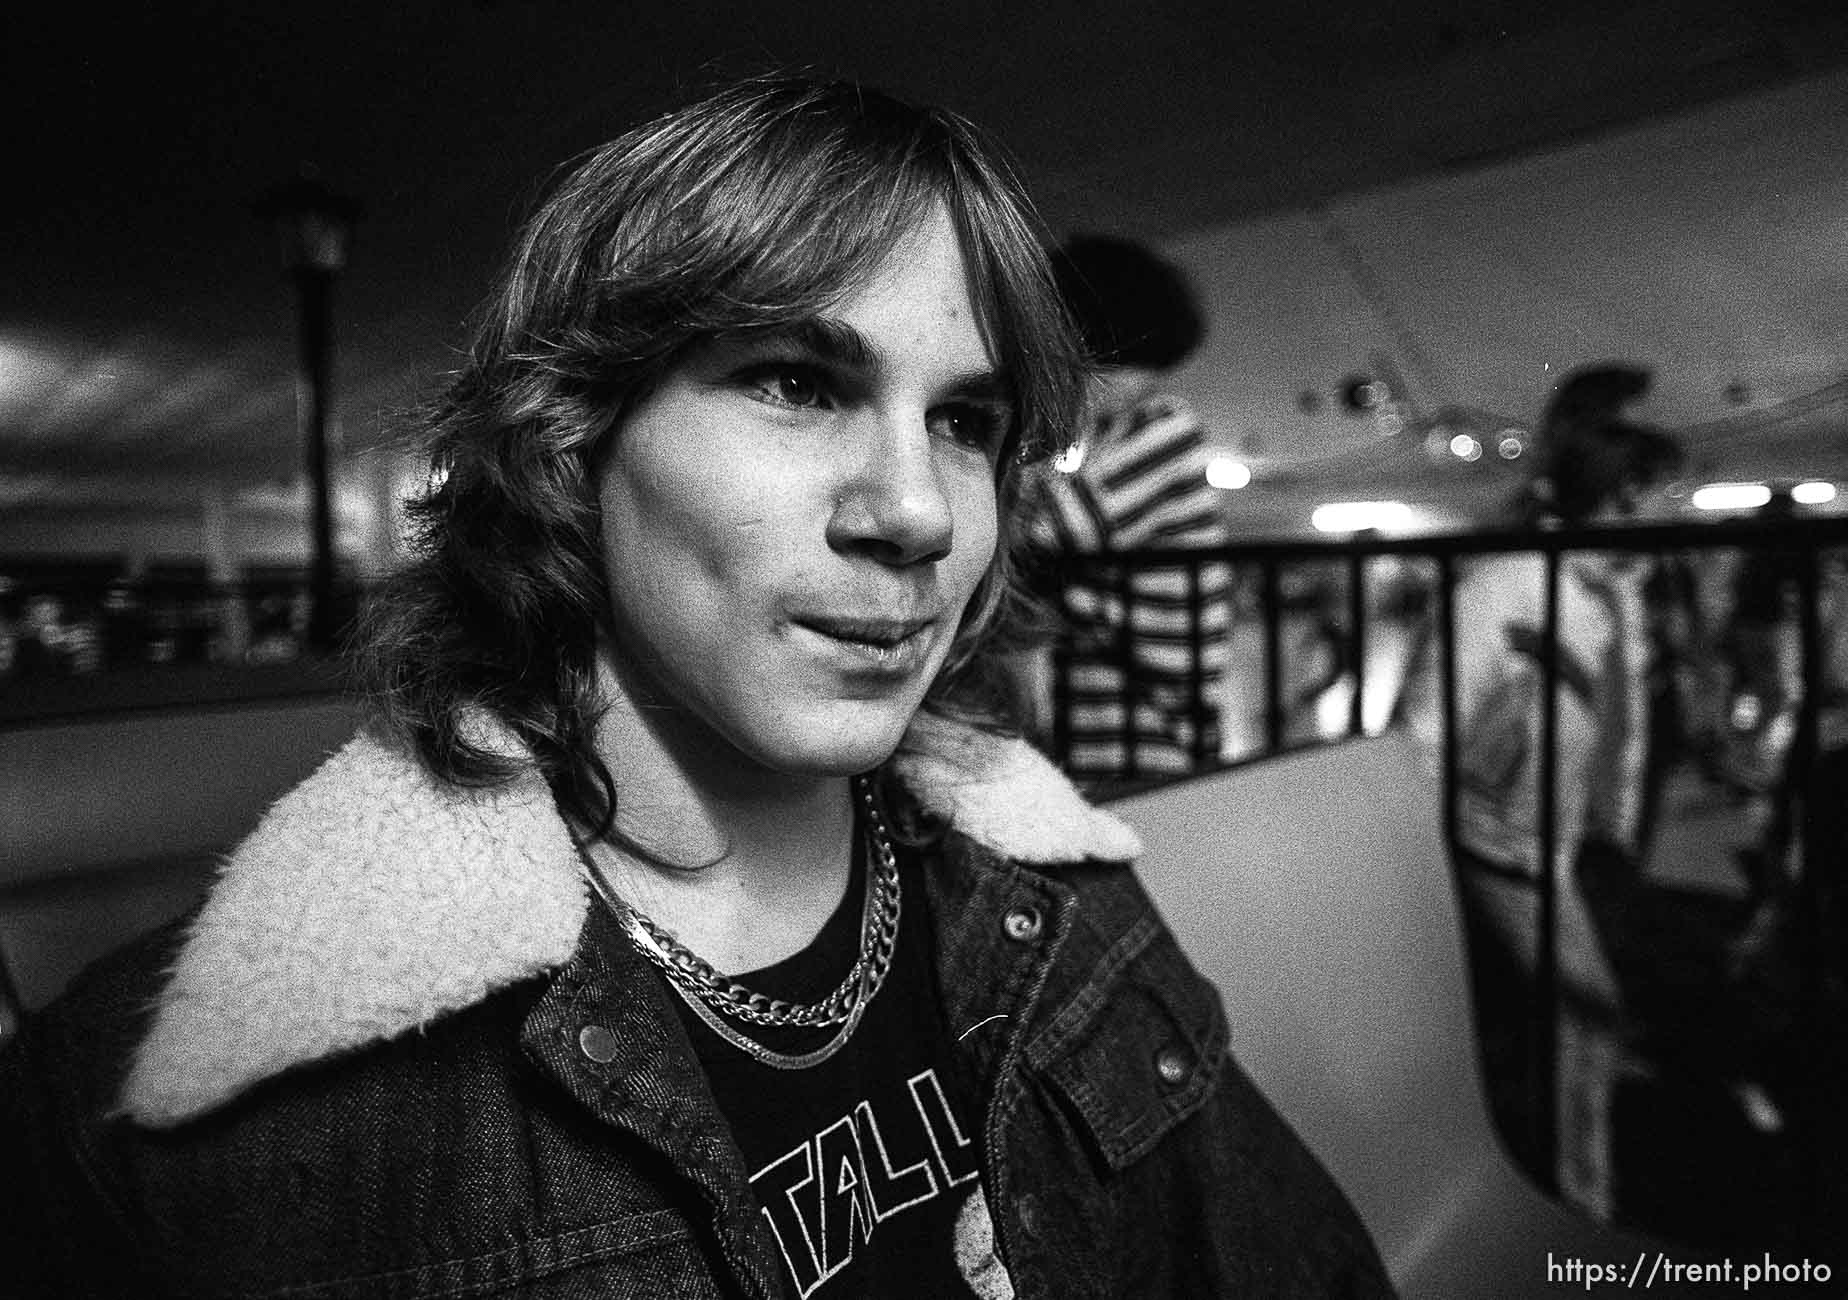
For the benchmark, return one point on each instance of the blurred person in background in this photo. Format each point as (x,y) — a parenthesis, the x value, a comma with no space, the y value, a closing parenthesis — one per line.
(1760,648)
(688,924)
(1145,655)
(53,643)
(1593,466)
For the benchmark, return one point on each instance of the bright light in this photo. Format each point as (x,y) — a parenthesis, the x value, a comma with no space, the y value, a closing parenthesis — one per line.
(1813,494)
(1747,712)
(1731,496)
(1224,472)
(1465,447)
(1358,516)
(1068,461)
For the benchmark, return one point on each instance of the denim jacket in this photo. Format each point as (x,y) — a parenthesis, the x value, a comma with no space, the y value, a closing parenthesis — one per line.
(399,1054)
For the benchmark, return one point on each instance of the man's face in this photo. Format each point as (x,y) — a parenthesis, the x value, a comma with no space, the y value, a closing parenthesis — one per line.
(793,522)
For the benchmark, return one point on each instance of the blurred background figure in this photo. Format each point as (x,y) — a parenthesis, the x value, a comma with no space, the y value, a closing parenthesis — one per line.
(1592,467)
(53,644)
(1760,658)
(1145,650)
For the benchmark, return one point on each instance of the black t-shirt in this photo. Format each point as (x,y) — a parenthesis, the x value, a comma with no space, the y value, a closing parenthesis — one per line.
(864,1163)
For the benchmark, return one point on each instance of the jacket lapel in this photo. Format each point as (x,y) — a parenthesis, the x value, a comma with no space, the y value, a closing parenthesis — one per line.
(373,898)
(369,899)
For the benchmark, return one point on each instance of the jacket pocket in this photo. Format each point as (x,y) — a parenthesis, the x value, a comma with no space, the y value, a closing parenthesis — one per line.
(1140,1049)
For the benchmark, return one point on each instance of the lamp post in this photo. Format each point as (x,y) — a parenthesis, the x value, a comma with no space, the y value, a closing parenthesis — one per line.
(315,225)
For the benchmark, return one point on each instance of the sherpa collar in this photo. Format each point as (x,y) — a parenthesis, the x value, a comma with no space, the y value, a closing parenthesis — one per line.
(372,898)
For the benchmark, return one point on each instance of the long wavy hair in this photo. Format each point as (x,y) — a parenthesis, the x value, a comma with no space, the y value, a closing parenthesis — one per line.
(757,207)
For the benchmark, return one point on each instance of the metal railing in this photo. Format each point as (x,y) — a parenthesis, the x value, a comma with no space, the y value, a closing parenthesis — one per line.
(1115,571)
(1266,569)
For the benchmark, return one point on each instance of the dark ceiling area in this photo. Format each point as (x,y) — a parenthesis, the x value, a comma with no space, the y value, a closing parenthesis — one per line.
(147,328)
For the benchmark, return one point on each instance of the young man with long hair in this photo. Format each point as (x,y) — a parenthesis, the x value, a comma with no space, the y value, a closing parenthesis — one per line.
(686,925)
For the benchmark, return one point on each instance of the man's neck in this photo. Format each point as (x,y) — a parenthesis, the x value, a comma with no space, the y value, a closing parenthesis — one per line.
(744,865)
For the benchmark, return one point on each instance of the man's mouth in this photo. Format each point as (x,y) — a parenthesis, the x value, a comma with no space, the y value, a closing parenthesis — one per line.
(888,642)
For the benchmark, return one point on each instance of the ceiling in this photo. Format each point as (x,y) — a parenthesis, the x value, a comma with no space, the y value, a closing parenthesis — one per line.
(1709,246)
(147,334)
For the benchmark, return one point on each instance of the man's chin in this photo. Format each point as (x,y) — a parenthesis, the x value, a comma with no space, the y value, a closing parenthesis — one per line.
(827,745)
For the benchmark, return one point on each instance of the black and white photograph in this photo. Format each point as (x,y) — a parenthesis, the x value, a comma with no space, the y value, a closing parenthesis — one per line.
(841,651)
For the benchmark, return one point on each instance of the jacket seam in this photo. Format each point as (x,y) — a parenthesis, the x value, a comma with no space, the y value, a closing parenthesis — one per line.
(1010,1086)
(1070,1021)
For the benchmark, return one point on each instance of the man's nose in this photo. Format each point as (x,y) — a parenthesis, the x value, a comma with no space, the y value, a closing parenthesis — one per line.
(894,506)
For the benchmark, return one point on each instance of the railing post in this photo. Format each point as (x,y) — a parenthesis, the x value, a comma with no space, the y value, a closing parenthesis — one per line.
(1062,689)
(1544,1023)
(1273,658)
(1126,656)
(1447,686)
(1795,796)
(1196,668)
(1357,641)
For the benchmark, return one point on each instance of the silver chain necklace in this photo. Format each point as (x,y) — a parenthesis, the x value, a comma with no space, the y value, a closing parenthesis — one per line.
(712,995)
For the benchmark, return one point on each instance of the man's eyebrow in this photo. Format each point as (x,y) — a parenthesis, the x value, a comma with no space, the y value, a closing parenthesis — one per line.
(829,340)
(838,343)
(986,385)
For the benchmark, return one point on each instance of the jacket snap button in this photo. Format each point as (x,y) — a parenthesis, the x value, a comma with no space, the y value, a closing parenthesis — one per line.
(1171,1065)
(598,1043)
(1023,924)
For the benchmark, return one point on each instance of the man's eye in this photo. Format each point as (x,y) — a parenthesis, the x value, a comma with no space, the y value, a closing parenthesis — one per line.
(973,425)
(784,384)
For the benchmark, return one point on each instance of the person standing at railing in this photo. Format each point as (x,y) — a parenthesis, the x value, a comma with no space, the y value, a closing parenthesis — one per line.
(1762,654)
(1592,467)
(1146,649)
